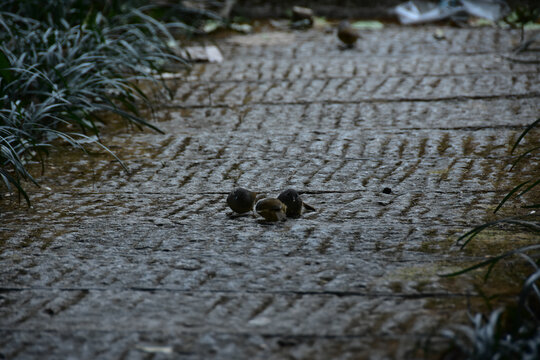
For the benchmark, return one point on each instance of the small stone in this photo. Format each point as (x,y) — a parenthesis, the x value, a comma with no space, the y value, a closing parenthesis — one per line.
(287,342)
(439,34)
(260,321)
(49,311)
(387,190)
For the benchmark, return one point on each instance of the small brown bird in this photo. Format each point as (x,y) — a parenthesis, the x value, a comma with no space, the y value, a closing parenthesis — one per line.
(241,200)
(302,17)
(271,209)
(294,203)
(347,34)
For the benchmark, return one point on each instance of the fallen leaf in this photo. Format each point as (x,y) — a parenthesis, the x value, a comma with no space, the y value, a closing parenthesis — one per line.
(156,349)
(208,53)
(368,25)
(267,38)
(243,28)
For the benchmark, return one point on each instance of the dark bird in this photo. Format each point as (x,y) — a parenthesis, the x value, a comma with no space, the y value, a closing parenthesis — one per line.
(347,34)
(241,200)
(302,17)
(271,209)
(294,203)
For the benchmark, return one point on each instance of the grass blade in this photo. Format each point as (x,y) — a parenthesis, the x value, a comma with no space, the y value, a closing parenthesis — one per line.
(527,129)
(523,155)
(512,192)
(491,262)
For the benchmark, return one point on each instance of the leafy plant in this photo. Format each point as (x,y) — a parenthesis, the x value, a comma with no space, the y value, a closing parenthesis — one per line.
(63,63)
(513,331)
(521,16)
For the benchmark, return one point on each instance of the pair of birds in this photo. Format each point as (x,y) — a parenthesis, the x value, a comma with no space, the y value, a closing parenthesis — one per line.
(287,204)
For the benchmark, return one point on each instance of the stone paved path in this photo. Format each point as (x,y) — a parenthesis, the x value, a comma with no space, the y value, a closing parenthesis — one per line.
(150,266)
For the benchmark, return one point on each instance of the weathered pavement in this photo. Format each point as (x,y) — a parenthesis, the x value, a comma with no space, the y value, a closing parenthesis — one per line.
(149,265)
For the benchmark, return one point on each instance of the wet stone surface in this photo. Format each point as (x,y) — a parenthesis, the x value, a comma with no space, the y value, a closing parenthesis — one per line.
(149,265)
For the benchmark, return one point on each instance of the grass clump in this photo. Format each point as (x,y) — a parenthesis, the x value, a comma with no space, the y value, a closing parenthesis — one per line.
(511,332)
(62,63)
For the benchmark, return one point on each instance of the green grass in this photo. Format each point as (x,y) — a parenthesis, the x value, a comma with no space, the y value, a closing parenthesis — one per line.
(66,62)
(512,332)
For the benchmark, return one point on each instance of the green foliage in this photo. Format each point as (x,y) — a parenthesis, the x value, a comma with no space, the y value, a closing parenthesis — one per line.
(495,338)
(518,336)
(65,62)
(521,16)
(525,187)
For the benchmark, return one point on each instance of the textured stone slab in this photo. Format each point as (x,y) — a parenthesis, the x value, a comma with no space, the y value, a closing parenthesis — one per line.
(450,114)
(130,344)
(337,160)
(347,90)
(392,41)
(357,64)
